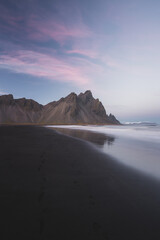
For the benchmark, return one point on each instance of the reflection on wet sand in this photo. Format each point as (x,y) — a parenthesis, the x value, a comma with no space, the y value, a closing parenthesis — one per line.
(96,138)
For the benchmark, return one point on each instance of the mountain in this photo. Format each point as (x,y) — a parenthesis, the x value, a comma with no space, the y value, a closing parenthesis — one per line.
(73,109)
(20,110)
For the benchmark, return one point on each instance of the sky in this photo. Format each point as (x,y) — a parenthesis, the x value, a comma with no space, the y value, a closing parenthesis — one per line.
(111,47)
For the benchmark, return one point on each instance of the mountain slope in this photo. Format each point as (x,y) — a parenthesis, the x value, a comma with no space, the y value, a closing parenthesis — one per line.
(19,110)
(73,109)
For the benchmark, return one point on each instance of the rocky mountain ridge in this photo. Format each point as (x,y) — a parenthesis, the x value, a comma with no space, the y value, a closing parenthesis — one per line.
(73,109)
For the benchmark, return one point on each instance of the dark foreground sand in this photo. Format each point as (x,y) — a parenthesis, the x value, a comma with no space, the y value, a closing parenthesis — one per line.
(55,187)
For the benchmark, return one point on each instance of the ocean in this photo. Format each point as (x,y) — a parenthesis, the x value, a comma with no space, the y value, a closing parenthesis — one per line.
(136,145)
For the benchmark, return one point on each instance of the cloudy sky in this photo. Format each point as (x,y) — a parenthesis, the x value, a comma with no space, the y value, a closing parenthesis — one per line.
(112,47)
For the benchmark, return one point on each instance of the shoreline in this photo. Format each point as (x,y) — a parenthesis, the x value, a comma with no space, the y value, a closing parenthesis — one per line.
(59,124)
(138,150)
(53,186)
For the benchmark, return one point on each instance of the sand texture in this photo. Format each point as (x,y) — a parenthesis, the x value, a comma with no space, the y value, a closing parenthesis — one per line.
(56,187)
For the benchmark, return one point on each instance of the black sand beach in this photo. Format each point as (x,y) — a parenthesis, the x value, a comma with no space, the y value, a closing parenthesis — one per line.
(57,187)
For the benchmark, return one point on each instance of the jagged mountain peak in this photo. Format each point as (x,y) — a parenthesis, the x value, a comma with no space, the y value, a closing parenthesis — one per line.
(72,109)
(86,96)
(71,94)
(86,93)
(71,97)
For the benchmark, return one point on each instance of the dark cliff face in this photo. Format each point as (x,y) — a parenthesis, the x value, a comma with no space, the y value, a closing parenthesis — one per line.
(112,119)
(6,99)
(93,105)
(73,109)
(19,110)
(86,97)
(76,109)
(28,104)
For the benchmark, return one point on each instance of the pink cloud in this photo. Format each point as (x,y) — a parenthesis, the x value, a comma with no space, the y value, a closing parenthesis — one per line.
(42,65)
(58,31)
(95,54)
(84,52)
(49,28)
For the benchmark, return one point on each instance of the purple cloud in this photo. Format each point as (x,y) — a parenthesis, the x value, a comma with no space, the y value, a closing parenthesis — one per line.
(80,61)
(55,30)
(43,65)
(84,52)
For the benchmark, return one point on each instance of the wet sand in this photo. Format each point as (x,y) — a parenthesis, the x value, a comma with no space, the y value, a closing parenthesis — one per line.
(97,138)
(57,187)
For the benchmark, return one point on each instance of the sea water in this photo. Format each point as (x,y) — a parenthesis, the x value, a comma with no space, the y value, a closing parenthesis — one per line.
(134,144)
